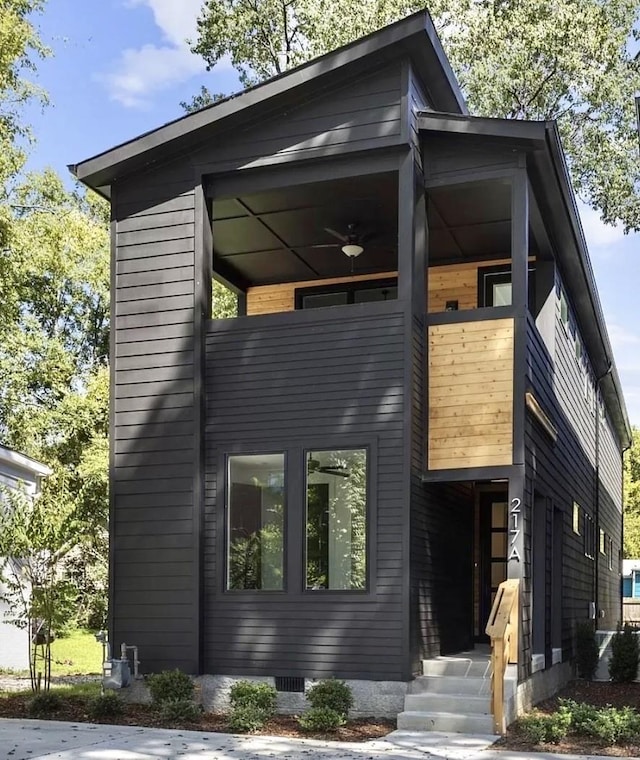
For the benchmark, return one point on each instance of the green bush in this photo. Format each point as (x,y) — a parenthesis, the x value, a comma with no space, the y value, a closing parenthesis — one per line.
(581,713)
(44,703)
(254,694)
(245,719)
(107,705)
(612,725)
(332,694)
(178,710)
(588,654)
(550,729)
(321,719)
(623,663)
(170,685)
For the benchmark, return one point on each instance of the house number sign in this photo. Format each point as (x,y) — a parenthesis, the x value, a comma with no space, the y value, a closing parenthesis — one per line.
(514,528)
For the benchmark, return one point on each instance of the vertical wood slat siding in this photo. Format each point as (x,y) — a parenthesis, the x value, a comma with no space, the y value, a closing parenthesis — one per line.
(471,394)
(154,575)
(272,299)
(333,375)
(359,114)
(565,472)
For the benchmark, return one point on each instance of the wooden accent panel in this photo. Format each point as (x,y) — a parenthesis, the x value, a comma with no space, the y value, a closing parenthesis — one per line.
(456,282)
(471,394)
(270,299)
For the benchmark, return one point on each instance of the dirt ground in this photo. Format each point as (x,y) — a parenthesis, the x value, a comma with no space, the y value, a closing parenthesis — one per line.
(74,708)
(594,693)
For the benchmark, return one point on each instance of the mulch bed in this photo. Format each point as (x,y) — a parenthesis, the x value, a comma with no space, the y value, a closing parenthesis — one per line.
(596,693)
(74,709)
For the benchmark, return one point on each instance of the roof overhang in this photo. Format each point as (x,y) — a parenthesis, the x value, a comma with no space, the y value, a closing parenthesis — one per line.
(548,168)
(23,462)
(414,36)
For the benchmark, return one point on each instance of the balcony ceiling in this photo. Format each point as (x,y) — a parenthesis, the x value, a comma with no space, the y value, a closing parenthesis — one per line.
(269,237)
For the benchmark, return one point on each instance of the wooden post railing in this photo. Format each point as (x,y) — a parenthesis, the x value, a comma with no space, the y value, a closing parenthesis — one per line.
(502,630)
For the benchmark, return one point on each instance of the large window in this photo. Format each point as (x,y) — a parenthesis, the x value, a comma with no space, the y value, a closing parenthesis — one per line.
(359,291)
(256,519)
(494,286)
(336,519)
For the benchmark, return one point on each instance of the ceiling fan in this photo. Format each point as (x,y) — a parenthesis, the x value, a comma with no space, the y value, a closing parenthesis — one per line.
(351,242)
(313,465)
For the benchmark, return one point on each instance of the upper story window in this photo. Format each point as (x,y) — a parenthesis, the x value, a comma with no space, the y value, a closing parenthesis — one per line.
(360,291)
(576,518)
(495,289)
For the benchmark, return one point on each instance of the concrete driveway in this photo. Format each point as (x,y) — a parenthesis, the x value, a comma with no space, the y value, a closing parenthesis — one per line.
(33,739)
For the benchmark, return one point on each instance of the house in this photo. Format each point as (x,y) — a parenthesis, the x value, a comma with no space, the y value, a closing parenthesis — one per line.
(17,472)
(416,402)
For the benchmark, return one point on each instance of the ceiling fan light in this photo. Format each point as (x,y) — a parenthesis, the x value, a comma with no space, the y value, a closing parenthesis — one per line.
(352,250)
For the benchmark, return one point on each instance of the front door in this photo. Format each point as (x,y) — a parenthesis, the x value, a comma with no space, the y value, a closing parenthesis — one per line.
(491,562)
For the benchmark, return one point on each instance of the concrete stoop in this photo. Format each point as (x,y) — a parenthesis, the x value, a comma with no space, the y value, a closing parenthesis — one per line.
(453,695)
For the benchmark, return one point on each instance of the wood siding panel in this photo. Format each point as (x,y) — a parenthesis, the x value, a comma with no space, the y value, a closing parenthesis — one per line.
(457,436)
(456,282)
(270,389)
(271,299)
(153,456)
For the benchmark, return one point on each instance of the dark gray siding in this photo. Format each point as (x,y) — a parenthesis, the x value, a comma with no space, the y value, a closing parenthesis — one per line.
(565,472)
(360,114)
(154,463)
(290,381)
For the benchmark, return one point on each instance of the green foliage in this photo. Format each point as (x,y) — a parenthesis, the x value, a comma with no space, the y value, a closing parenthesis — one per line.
(613,725)
(542,60)
(331,694)
(247,719)
(107,705)
(321,719)
(203,99)
(44,703)
(625,652)
(179,710)
(539,728)
(224,302)
(587,652)
(632,497)
(254,694)
(170,685)
(581,713)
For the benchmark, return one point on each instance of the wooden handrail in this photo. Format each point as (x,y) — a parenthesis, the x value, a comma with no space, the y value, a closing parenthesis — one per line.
(502,630)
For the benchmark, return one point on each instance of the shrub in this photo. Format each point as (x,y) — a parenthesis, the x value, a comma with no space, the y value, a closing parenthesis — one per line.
(623,663)
(178,710)
(321,719)
(245,719)
(44,703)
(170,685)
(588,654)
(332,694)
(254,694)
(539,728)
(612,725)
(581,713)
(107,705)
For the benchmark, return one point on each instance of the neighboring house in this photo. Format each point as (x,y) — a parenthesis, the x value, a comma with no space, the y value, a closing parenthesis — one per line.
(631,579)
(417,401)
(19,472)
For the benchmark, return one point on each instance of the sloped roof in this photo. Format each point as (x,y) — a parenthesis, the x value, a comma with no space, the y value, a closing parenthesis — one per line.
(22,461)
(414,36)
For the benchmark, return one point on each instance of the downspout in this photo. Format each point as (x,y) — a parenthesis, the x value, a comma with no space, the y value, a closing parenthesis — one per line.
(596,510)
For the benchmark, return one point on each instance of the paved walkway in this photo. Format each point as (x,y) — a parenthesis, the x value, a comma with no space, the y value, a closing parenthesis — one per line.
(31,739)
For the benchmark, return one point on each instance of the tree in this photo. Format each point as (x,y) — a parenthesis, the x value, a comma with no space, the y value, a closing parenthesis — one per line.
(632,498)
(35,536)
(541,59)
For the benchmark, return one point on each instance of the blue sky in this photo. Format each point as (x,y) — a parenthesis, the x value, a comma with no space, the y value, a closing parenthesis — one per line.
(121,67)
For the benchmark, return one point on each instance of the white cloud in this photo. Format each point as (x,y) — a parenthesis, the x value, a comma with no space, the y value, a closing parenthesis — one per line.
(601,237)
(140,72)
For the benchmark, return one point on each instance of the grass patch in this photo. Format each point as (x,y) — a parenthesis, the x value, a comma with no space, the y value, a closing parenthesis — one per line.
(77,654)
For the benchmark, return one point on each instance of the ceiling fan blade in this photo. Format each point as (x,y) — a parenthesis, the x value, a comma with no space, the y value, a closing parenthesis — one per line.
(338,235)
(327,245)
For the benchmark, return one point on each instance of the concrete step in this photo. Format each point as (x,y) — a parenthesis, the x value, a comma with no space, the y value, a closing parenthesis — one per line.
(462,667)
(451,685)
(452,703)
(411,720)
